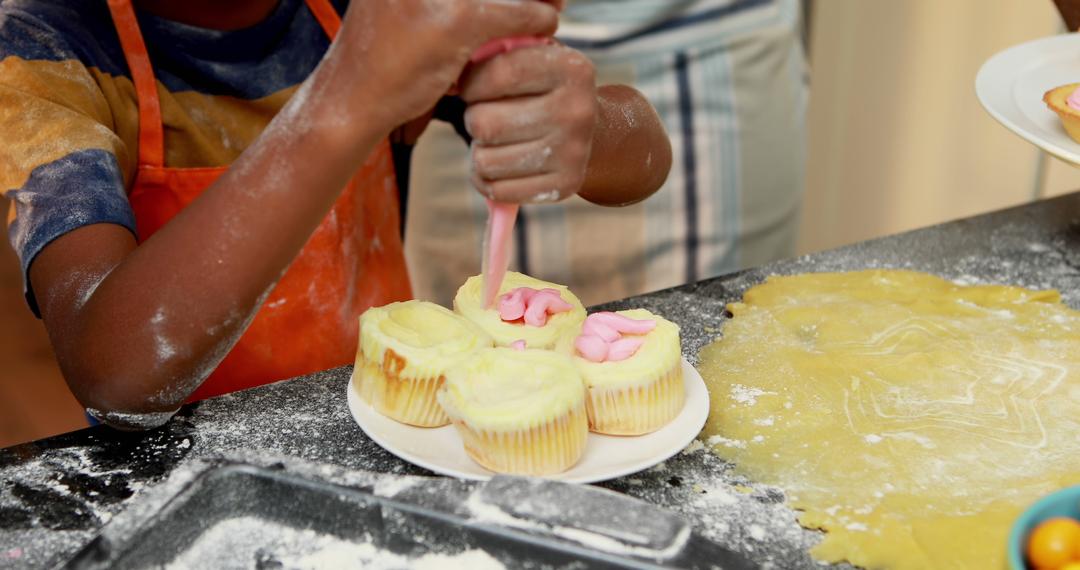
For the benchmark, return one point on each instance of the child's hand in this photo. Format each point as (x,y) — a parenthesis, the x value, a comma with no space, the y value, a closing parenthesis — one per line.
(532,112)
(393,60)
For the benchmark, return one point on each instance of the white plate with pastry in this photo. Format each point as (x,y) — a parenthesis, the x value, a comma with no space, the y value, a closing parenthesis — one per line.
(1011,85)
(606,457)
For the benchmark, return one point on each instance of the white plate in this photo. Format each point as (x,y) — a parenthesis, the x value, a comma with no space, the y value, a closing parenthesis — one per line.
(606,457)
(1011,84)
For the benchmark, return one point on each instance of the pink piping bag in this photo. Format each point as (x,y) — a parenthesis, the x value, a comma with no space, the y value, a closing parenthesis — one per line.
(501,215)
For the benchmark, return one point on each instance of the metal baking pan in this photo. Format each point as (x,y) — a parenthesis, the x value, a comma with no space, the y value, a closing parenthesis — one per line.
(246,516)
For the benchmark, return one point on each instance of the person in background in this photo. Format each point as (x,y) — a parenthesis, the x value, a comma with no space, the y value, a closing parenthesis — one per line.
(1070,13)
(204,195)
(728,78)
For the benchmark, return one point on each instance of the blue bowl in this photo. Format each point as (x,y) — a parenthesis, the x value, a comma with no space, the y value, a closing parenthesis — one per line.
(1063,503)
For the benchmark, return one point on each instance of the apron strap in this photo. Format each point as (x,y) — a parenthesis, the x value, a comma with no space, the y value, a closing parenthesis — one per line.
(326,15)
(151,131)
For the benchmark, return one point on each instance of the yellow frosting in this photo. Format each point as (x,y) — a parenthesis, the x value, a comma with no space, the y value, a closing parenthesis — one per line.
(425,336)
(467,303)
(507,389)
(657,356)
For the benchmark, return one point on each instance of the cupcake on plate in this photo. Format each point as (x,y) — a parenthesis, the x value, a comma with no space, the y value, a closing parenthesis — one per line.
(528,312)
(1065,101)
(631,362)
(405,349)
(518,411)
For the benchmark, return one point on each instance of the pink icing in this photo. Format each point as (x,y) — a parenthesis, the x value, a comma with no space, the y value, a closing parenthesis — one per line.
(601,337)
(534,306)
(502,45)
(619,323)
(501,215)
(624,348)
(518,344)
(1074,100)
(591,347)
(500,228)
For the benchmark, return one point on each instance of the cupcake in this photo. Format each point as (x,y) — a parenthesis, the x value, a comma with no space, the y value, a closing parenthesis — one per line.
(1065,101)
(527,311)
(518,411)
(632,366)
(405,349)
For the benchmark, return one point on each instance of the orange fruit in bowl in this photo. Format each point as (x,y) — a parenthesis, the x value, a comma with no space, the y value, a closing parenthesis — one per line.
(1054,543)
(1070,566)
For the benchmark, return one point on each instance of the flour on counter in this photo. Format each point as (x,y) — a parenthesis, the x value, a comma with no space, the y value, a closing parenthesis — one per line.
(747,517)
(721,440)
(253,542)
(747,395)
(391,486)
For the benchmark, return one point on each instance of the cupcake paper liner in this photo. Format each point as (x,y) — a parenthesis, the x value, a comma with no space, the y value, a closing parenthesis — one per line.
(551,447)
(407,400)
(637,410)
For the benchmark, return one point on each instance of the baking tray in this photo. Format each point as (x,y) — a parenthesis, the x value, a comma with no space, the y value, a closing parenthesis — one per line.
(247,516)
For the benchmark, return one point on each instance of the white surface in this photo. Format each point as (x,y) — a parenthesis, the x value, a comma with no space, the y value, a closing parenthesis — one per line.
(606,457)
(1011,84)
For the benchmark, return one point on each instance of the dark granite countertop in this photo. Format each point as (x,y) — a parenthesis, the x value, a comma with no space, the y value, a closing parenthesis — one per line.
(56,493)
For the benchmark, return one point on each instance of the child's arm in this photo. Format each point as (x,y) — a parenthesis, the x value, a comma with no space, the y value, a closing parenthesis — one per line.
(137,328)
(542,131)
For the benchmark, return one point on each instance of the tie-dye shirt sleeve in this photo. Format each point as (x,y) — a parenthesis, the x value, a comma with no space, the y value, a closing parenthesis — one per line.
(69,119)
(59,153)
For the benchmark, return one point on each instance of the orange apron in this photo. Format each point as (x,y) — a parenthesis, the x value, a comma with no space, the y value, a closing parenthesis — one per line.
(353,261)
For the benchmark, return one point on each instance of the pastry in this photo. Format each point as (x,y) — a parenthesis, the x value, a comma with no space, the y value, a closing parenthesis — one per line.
(1065,101)
(518,411)
(526,309)
(911,418)
(631,363)
(404,351)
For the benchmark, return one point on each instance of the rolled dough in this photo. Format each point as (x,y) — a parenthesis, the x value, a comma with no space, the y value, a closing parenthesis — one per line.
(909,417)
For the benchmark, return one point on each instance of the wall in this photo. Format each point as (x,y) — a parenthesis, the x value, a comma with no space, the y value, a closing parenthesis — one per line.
(34,400)
(897,138)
